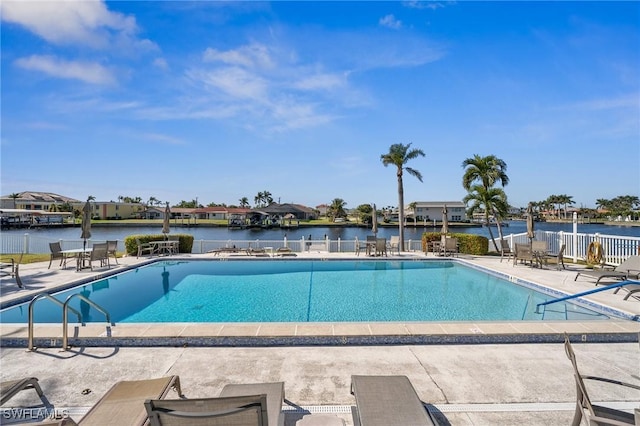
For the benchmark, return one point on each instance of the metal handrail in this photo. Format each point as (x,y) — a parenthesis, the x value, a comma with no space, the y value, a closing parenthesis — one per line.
(584,293)
(65,316)
(31,304)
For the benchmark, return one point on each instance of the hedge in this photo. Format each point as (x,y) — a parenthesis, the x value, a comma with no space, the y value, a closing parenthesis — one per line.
(131,243)
(468,243)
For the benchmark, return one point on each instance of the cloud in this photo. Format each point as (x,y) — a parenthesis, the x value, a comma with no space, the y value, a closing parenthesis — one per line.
(249,56)
(89,72)
(161,63)
(158,137)
(419,4)
(86,23)
(390,21)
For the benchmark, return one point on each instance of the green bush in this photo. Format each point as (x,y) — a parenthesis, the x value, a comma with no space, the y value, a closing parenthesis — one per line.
(131,244)
(468,243)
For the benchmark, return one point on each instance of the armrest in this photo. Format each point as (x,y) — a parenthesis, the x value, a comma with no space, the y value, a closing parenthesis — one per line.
(614,382)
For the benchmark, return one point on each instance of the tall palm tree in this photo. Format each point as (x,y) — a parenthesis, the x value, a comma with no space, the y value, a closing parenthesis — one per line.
(487,200)
(244,202)
(488,171)
(398,156)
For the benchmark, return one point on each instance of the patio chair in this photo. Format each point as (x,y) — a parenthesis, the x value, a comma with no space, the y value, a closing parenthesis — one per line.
(394,244)
(175,247)
(371,245)
(629,269)
(11,388)
(10,265)
(143,248)
(381,246)
(387,400)
(559,258)
(632,288)
(594,414)
(112,248)
(449,246)
(99,253)
(524,254)
(56,253)
(505,250)
(123,404)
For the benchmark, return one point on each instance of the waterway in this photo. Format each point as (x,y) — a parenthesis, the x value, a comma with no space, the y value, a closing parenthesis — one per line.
(203,232)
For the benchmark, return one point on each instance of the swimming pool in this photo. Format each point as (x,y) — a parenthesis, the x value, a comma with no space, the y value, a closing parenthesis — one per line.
(304,291)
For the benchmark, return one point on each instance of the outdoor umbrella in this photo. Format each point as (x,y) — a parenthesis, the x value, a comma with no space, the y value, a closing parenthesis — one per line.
(86,223)
(445,221)
(374,221)
(165,223)
(530,232)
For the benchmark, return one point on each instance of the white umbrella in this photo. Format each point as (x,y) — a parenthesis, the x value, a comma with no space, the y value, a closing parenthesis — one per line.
(374,221)
(86,223)
(165,223)
(445,221)
(530,232)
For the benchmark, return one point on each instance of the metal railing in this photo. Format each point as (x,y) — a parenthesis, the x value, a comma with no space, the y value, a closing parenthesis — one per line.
(40,296)
(65,316)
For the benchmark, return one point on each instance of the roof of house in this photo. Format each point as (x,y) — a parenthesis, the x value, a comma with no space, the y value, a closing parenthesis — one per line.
(43,197)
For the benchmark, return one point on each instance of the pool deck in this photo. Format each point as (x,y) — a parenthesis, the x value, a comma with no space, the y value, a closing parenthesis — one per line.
(518,375)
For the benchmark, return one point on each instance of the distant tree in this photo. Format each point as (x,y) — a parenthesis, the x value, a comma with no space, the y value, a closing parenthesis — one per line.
(399,155)
(336,209)
(14,197)
(244,202)
(364,213)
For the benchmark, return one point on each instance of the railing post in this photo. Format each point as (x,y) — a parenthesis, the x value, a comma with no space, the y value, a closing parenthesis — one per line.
(26,243)
(575,237)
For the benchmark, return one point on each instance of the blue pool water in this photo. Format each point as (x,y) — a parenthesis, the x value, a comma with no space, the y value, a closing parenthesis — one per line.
(304,291)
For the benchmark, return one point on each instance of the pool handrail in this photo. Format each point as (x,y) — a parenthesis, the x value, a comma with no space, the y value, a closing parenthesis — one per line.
(37,297)
(65,316)
(584,293)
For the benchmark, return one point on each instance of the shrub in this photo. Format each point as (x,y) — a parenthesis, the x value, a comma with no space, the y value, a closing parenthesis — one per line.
(131,244)
(468,243)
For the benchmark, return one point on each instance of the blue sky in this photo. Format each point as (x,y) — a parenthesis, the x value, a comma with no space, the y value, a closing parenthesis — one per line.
(217,100)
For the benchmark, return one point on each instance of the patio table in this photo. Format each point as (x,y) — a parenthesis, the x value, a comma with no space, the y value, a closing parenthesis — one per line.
(80,255)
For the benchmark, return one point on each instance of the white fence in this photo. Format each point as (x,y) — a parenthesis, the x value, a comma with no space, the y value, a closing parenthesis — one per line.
(615,248)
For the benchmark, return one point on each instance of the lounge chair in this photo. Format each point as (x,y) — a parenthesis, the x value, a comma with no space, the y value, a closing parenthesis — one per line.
(284,251)
(56,253)
(123,404)
(274,392)
(594,414)
(11,388)
(632,288)
(387,400)
(242,404)
(505,250)
(629,269)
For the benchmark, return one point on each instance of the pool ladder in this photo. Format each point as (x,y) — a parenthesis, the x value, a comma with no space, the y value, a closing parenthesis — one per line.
(65,316)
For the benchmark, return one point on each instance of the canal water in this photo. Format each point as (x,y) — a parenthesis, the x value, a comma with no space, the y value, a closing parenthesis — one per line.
(203,232)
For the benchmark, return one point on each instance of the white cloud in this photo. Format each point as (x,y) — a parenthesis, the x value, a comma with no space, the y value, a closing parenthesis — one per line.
(236,82)
(87,23)
(161,63)
(321,82)
(249,56)
(390,21)
(89,72)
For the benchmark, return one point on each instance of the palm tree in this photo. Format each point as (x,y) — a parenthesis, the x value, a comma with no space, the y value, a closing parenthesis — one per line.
(336,209)
(487,200)
(488,171)
(244,202)
(14,196)
(398,156)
